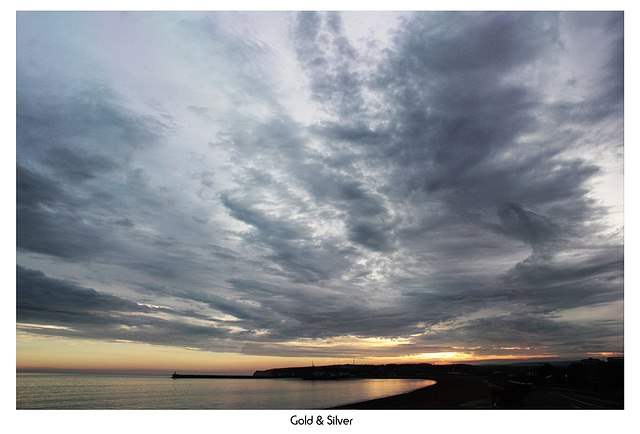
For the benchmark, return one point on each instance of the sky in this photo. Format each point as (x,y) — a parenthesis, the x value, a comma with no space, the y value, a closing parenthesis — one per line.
(232,191)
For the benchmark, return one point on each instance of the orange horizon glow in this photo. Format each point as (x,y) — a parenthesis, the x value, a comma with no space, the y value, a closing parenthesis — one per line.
(37,353)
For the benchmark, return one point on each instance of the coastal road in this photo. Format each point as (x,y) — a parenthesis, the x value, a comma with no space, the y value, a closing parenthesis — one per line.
(557,398)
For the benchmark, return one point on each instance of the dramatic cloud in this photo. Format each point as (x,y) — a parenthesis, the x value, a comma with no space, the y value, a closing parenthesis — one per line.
(308,184)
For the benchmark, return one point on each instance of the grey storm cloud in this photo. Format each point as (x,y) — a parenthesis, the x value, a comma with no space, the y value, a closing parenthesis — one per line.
(37,293)
(446,186)
(73,161)
(47,221)
(327,55)
(80,312)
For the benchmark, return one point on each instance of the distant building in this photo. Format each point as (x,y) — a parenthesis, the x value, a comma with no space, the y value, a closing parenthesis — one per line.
(590,362)
(617,361)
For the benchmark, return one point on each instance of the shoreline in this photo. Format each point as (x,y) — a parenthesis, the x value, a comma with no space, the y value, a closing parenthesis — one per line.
(457,392)
(449,392)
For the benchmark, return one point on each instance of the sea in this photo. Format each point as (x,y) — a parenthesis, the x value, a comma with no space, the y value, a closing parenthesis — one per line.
(161,392)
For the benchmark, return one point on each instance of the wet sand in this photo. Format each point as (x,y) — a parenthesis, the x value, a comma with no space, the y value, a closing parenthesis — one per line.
(449,392)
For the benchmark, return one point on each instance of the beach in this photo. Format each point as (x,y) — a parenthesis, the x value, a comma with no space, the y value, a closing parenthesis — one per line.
(449,392)
(483,392)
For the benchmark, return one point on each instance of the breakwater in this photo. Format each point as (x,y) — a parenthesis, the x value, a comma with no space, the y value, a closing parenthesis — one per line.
(229,377)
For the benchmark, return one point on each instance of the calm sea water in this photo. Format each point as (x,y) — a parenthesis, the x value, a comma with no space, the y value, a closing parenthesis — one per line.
(75,391)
